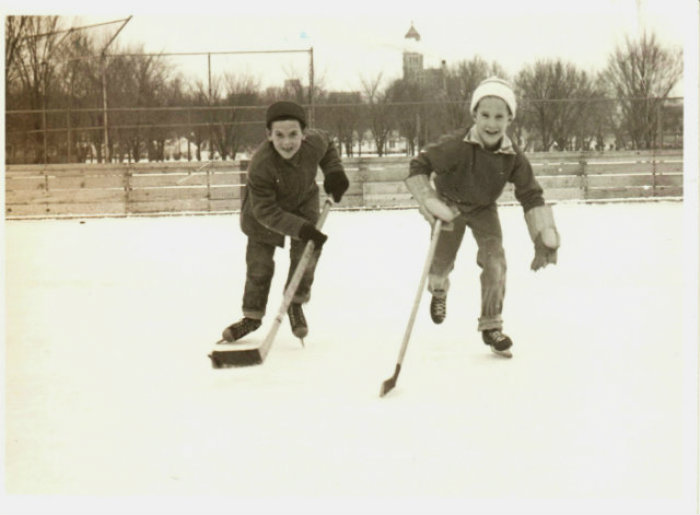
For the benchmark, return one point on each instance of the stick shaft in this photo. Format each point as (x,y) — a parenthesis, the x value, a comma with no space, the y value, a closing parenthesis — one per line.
(294,282)
(424,276)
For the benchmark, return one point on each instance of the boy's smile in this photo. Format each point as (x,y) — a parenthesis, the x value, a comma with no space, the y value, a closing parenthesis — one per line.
(491,118)
(286,136)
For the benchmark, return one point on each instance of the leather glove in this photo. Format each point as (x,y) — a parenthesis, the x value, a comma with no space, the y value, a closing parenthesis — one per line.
(544,234)
(544,255)
(429,204)
(309,233)
(429,217)
(336,183)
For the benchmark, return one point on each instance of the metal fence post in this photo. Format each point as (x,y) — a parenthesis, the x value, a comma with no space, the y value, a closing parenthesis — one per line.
(209,171)
(68,137)
(45,133)
(104,107)
(653,173)
(189,127)
(209,117)
(584,176)
(127,190)
(312,110)
(660,125)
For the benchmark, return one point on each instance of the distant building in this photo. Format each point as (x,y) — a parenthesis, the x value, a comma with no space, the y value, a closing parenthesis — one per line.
(412,56)
(413,70)
(345,97)
(432,79)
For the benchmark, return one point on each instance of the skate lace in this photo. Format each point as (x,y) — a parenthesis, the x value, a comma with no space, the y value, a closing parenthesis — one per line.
(439,306)
(296,315)
(242,327)
(249,324)
(496,336)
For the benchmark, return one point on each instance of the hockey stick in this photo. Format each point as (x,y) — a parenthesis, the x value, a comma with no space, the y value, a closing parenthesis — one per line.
(254,355)
(391,382)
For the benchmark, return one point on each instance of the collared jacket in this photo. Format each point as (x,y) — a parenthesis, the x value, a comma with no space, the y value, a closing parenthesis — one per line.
(281,195)
(471,176)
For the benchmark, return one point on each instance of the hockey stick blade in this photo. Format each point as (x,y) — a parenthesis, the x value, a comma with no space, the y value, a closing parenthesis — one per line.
(389,384)
(236,358)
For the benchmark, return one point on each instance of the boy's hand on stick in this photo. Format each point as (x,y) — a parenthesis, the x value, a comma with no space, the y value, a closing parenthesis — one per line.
(429,203)
(309,233)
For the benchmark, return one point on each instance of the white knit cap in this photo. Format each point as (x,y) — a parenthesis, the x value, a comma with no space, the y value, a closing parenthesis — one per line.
(494,87)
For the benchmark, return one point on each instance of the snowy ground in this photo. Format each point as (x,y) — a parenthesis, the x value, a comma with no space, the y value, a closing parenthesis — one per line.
(109,391)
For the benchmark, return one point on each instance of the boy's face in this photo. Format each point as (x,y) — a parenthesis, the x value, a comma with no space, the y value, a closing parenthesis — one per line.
(491,117)
(286,136)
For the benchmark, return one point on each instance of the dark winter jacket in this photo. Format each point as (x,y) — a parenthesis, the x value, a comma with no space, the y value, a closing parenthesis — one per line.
(471,176)
(281,195)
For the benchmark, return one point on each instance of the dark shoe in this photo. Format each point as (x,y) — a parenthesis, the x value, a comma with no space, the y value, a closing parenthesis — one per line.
(240,329)
(438,306)
(498,341)
(297,320)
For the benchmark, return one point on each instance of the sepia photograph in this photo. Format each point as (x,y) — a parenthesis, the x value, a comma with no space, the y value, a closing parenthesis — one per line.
(427,257)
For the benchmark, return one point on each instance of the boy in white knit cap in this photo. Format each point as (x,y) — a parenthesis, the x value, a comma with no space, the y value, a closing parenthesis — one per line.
(471,168)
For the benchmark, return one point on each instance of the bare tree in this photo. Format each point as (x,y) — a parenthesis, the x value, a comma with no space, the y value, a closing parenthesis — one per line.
(173,116)
(14,36)
(340,114)
(557,96)
(408,96)
(296,85)
(33,58)
(234,126)
(378,111)
(197,97)
(15,31)
(138,84)
(642,74)
(78,80)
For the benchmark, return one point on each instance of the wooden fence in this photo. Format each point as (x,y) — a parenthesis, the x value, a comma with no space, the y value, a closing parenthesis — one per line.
(74,190)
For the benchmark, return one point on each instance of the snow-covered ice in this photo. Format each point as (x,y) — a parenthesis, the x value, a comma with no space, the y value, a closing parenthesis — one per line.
(109,391)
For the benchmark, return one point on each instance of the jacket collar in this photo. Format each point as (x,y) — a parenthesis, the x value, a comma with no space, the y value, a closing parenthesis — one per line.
(506,143)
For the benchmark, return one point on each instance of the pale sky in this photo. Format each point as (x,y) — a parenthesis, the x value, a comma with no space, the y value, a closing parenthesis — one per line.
(355,40)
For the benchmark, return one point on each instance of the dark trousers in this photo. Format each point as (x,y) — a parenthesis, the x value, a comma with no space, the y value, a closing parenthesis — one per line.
(260,267)
(486,229)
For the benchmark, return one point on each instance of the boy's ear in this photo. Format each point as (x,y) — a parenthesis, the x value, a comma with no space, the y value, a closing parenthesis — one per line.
(268,132)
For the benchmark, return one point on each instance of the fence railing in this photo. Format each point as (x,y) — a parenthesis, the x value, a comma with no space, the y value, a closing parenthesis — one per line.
(112,190)
(136,134)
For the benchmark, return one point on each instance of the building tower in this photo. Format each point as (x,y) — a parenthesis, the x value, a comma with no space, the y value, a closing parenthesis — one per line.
(412,56)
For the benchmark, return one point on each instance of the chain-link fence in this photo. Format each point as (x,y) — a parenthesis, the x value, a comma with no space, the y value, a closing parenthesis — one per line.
(361,128)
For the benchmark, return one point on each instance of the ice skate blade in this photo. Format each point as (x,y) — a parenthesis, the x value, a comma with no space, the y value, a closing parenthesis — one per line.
(503,353)
(300,332)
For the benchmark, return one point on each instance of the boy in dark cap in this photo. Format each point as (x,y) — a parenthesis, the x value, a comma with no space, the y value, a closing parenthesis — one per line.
(281,199)
(471,168)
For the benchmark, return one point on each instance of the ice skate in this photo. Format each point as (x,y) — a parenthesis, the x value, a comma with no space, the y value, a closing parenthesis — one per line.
(297,321)
(240,329)
(438,306)
(500,343)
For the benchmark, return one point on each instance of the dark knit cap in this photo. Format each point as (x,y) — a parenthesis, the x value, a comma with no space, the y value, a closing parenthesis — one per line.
(282,110)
